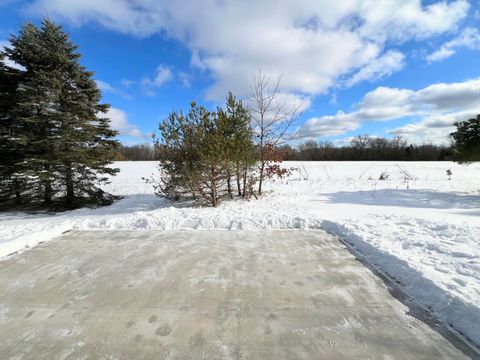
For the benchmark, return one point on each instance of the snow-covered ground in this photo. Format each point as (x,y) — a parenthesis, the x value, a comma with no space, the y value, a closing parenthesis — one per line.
(418,227)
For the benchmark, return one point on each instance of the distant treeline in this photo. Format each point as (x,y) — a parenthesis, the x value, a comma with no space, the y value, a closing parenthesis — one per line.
(366,148)
(140,152)
(360,148)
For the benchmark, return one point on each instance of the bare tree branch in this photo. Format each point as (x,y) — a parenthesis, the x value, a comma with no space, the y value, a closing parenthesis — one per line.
(272,117)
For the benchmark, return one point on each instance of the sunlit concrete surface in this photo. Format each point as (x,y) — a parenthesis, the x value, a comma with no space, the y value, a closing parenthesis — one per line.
(206,295)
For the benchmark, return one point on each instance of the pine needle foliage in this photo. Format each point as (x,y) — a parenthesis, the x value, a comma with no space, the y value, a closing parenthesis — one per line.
(203,151)
(466,139)
(62,141)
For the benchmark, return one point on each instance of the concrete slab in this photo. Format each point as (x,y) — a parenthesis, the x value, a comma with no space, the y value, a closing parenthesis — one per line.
(205,295)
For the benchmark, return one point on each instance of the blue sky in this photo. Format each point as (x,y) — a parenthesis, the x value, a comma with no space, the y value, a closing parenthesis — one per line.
(383,67)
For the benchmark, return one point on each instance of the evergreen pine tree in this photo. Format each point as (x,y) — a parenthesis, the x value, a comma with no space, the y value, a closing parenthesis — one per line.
(10,148)
(199,153)
(85,143)
(35,100)
(238,135)
(192,151)
(67,146)
(466,139)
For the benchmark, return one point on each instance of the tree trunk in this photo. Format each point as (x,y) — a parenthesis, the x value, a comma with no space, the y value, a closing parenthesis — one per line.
(48,192)
(69,182)
(47,196)
(18,195)
(229,184)
(244,194)
(260,182)
(237,170)
(213,188)
(262,159)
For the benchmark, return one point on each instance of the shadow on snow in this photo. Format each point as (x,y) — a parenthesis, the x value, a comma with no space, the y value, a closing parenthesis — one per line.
(406,198)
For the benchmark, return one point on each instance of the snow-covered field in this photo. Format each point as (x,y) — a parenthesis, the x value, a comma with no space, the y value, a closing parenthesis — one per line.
(418,227)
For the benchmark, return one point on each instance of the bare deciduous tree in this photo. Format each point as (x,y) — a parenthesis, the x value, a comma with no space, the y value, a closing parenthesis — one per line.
(272,118)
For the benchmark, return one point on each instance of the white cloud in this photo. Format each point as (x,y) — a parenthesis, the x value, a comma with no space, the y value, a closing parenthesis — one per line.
(442,53)
(450,96)
(436,107)
(434,129)
(163,74)
(385,96)
(314,43)
(329,125)
(185,79)
(119,122)
(108,88)
(104,86)
(127,83)
(469,38)
(382,66)
(293,101)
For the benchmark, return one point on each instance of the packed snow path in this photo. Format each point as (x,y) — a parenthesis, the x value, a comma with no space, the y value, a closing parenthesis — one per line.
(206,295)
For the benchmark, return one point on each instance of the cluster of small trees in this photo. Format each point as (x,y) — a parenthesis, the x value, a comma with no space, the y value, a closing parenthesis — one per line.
(366,148)
(203,154)
(55,145)
(213,155)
